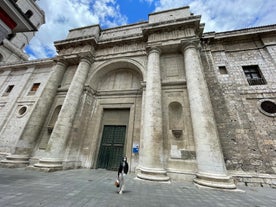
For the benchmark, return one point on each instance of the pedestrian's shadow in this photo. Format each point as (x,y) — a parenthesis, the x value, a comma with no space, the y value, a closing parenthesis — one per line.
(125,192)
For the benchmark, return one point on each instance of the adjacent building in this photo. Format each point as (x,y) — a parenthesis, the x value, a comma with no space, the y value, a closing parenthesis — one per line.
(179,103)
(19,20)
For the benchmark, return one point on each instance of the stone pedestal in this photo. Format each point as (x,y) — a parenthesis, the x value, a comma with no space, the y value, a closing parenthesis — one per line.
(57,143)
(14,161)
(27,140)
(151,156)
(211,167)
(49,165)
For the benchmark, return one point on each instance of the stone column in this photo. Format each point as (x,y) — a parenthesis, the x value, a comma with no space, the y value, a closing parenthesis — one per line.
(26,142)
(151,160)
(211,167)
(57,143)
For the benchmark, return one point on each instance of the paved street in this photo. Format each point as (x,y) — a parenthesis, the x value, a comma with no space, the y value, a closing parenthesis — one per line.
(85,187)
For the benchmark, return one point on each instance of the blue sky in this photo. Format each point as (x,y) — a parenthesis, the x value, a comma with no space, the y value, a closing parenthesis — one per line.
(218,16)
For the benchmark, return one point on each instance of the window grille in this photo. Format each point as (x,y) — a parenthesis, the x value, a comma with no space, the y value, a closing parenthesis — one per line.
(253,75)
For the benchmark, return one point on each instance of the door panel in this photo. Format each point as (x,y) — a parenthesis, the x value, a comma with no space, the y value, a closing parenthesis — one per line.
(112,147)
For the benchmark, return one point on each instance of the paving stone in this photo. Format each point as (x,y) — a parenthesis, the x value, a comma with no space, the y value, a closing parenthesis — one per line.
(86,188)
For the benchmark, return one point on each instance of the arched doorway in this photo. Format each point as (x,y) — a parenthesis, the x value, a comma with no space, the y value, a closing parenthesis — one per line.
(117,112)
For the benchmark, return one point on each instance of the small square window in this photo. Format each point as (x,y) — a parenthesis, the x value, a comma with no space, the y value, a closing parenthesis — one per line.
(253,75)
(34,88)
(222,70)
(8,90)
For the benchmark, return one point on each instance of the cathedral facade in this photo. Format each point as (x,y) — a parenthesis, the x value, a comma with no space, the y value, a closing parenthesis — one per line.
(179,103)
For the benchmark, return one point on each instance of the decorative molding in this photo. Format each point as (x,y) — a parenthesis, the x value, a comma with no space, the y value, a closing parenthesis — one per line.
(178,33)
(28,63)
(120,48)
(240,32)
(154,49)
(190,43)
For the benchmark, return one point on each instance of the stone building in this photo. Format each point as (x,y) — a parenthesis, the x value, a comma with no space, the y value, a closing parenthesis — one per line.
(179,103)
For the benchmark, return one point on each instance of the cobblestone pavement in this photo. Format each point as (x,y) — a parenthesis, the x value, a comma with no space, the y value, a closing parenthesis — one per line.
(89,188)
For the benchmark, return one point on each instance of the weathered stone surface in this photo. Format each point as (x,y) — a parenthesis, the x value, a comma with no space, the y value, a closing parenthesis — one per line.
(190,114)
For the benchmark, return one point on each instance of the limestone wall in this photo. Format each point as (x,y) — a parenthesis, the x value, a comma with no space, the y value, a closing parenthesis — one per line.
(247,135)
(17,105)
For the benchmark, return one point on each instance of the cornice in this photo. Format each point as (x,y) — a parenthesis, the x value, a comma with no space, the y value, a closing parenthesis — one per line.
(120,40)
(144,29)
(240,32)
(73,42)
(27,63)
(192,21)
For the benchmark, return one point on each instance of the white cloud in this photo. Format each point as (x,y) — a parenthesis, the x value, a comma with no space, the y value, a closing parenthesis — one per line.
(223,15)
(168,4)
(148,1)
(108,13)
(63,15)
(218,15)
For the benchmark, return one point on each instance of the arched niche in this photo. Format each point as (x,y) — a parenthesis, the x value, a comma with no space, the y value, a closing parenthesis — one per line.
(120,79)
(129,70)
(54,118)
(176,124)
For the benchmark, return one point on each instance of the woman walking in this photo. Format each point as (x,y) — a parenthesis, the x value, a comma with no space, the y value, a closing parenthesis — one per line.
(122,171)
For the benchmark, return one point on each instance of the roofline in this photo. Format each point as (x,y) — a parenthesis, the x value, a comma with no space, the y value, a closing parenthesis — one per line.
(240,32)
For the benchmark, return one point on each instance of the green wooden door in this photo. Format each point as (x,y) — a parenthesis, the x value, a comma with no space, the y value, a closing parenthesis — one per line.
(112,147)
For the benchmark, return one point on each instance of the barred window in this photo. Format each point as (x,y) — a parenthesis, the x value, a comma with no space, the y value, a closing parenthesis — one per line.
(253,75)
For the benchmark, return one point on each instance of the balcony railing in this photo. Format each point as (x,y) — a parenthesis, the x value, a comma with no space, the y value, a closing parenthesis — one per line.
(256,81)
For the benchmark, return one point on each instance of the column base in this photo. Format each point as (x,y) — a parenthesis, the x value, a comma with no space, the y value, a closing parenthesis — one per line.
(15,161)
(48,165)
(215,181)
(153,174)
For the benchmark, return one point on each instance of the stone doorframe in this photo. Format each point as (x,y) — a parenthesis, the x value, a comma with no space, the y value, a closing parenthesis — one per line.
(127,99)
(97,135)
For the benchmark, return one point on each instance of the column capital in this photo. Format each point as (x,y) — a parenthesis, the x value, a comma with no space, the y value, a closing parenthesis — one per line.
(153,49)
(189,44)
(60,61)
(86,57)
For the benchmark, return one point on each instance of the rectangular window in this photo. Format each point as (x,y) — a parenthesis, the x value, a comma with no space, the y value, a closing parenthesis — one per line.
(253,75)
(34,88)
(8,90)
(222,70)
